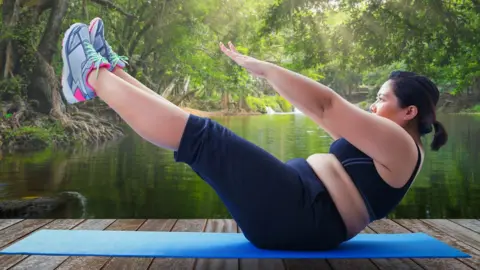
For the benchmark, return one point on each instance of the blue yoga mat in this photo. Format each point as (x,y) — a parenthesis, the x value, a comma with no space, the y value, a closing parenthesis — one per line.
(218,245)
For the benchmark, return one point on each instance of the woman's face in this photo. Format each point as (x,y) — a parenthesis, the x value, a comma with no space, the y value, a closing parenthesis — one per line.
(387,106)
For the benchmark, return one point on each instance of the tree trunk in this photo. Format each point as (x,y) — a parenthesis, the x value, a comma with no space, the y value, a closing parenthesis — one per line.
(225,100)
(40,86)
(180,99)
(8,56)
(242,104)
(170,88)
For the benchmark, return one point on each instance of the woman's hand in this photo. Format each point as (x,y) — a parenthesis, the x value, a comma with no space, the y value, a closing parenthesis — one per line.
(254,66)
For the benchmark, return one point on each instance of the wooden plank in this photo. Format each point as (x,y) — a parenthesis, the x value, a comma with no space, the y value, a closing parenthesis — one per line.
(388,226)
(97,262)
(306,264)
(392,263)
(20,230)
(48,262)
(461,233)
(416,225)
(182,225)
(260,264)
(140,263)
(4,223)
(219,226)
(353,263)
(14,233)
(51,262)
(472,224)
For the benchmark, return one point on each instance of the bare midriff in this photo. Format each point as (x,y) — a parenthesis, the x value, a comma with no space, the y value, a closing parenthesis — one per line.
(342,190)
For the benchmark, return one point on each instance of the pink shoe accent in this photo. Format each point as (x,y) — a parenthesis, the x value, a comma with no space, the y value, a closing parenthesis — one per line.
(78,95)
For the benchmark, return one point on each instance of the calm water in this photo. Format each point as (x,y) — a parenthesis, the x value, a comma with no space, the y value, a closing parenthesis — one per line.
(133,179)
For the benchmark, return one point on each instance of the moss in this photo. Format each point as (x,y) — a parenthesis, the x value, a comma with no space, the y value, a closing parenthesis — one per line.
(11,86)
(33,137)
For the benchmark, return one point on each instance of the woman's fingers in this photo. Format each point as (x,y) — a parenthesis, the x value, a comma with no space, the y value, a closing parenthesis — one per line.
(235,56)
(224,49)
(232,47)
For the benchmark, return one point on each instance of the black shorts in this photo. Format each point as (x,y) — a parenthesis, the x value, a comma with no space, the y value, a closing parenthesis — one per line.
(277,205)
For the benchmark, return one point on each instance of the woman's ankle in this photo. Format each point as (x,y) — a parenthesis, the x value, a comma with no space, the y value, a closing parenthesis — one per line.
(95,77)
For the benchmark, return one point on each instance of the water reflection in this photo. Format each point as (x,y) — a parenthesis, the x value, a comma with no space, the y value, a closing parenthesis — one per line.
(131,178)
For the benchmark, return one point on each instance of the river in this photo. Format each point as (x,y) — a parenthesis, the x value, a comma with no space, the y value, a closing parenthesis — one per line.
(130,178)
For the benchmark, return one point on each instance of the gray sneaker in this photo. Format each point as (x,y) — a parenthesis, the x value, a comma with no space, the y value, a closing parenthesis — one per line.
(79,59)
(97,37)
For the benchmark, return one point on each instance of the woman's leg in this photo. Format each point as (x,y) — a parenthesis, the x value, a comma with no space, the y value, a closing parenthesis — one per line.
(101,45)
(265,196)
(155,119)
(127,77)
(86,75)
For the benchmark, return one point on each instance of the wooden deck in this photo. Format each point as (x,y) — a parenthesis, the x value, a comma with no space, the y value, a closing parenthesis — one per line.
(463,234)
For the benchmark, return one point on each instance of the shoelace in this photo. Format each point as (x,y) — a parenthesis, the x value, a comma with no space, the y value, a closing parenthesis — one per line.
(115,58)
(93,55)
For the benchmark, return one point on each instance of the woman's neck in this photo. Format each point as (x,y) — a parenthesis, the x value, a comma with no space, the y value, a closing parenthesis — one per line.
(413,131)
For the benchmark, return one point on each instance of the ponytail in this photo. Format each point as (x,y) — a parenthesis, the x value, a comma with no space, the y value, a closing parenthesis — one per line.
(440,137)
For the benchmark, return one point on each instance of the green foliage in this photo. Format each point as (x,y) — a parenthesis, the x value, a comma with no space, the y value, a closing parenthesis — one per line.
(347,45)
(475,109)
(12,86)
(34,136)
(285,106)
(364,105)
(29,131)
(255,104)
(260,104)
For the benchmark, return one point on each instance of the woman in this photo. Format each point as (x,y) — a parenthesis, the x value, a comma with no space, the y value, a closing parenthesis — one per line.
(304,204)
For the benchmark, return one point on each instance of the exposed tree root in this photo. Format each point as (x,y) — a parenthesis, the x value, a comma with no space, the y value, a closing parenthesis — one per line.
(87,127)
(23,128)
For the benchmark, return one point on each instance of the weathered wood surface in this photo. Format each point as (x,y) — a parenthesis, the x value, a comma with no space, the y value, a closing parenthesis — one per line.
(463,234)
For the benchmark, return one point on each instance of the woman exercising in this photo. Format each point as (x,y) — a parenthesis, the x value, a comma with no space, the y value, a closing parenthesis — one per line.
(304,204)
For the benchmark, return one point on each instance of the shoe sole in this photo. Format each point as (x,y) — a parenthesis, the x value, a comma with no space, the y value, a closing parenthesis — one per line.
(67,91)
(93,23)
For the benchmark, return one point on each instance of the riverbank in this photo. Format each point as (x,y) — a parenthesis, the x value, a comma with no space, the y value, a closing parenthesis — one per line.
(39,131)
(29,131)
(82,127)
(219,113)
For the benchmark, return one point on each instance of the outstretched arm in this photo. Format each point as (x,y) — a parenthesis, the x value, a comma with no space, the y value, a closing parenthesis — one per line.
(309,96)
(380,138)
(303,93)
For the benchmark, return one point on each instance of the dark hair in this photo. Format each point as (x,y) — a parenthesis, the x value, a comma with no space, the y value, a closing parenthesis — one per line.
(419,91)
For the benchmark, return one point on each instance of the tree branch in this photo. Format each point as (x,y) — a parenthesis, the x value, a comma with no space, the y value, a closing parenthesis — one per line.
(110,4)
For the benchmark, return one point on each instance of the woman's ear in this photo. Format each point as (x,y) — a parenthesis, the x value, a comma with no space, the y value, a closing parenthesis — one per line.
(410,112)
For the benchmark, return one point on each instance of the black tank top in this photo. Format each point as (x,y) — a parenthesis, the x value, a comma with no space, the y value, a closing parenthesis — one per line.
(380,198)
